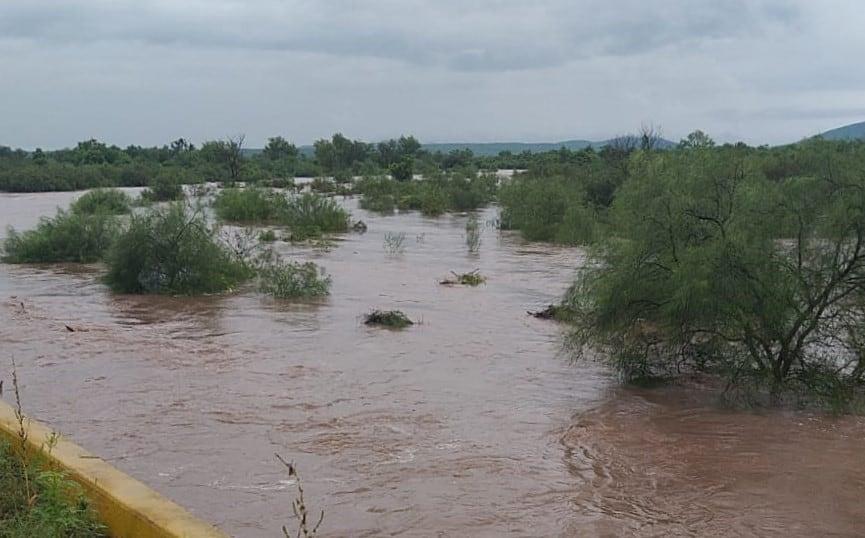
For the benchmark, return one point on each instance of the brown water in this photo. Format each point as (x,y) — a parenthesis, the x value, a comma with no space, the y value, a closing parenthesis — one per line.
(469,424)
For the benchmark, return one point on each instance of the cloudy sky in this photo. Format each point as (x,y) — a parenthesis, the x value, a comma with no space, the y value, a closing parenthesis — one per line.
(146,72)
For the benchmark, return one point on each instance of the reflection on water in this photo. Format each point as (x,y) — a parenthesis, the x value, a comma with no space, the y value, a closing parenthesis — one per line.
(467,424)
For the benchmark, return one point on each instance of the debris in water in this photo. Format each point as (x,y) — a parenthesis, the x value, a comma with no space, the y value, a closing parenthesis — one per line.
(387,318)
(556,312)
(473,278)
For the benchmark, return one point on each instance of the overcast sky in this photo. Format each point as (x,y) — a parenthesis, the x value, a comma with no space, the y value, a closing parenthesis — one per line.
(147,72)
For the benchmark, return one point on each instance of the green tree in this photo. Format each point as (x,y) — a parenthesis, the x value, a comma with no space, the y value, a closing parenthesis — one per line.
(711,267)
(695,140)
(226,156)
(278,149)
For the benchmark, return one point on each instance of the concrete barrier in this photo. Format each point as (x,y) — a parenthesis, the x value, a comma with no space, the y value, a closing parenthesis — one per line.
(126,506)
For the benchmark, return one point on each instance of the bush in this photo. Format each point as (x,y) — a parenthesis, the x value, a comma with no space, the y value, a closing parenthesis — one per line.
(108,201)
(165,187)
(308,215)
(432,197)
(472,278)
(387,318)
(286,280)
(315,212)
(249,205)
(267,236)
(322,184)
(552,209)
(68,237)
(170,251)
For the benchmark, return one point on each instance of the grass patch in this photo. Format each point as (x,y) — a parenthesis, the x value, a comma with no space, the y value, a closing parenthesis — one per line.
(67,237)
(37,501)
(173,251)
(107,201)
(387,318)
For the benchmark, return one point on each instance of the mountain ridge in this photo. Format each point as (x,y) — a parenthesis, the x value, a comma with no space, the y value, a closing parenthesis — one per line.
(852,131)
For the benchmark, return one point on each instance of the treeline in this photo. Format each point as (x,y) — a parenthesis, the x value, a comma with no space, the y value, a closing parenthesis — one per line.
(92,163)
(565,196)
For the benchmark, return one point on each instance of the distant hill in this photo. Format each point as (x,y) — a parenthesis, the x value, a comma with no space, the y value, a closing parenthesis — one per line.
(494,148)
(854,131)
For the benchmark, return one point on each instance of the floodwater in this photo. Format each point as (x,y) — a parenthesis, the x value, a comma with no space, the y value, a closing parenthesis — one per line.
(470,423)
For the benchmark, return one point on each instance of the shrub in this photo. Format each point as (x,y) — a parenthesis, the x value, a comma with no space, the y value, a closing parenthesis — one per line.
(172,251)
(550,209)
(433,196)
(387,318)
(322,184)
(402,170)
(68,237)
(394,243)
(312,211)
(267,236)
(473,234)
(165,187)
(108,201)
(286,280)
(249,205)
(279,183)
(472,278)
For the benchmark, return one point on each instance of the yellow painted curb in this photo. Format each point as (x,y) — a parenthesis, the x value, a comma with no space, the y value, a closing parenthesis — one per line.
(126,506)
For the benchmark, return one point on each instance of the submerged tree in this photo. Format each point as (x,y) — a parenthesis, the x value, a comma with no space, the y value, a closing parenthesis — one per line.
(711,267)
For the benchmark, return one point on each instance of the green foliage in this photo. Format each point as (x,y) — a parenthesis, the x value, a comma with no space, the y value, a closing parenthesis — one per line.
(308,214)
(394,242)
(165,187)
(433,197)
(313,211)
(251,204)
(67,237)
(223,159)
(171,250)
(41,503)
(473,234)
(712,267)
(393,319)
(472,278)
(108,201)
(322,184)
(285,280)
(267,236)
(403,169)
(553,209)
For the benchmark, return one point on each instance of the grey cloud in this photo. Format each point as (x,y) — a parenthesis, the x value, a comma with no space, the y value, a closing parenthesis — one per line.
(148,71)
(486,36)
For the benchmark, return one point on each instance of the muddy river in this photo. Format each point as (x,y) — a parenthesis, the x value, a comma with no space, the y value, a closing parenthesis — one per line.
(470,423)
